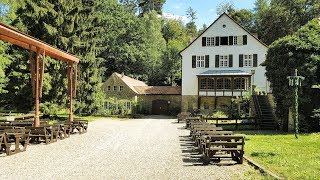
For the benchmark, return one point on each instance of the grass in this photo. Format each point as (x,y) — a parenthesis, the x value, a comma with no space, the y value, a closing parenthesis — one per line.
(285,155)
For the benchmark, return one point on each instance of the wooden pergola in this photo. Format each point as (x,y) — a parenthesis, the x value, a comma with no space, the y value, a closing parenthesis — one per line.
(41,49)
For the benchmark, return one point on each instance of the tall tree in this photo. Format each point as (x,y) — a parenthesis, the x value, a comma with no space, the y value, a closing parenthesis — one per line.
(191,25)
(151,5)
(73,26)
(176,37)
(154,46)
(284,17)
(298,51)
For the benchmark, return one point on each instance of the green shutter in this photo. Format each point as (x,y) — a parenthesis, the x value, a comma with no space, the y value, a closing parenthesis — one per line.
(207,61)
(204,41)
(240,60)
(217,41)
(230,60)
(230,40)
(194,58)
(245,40)
(217,61)
(255,60)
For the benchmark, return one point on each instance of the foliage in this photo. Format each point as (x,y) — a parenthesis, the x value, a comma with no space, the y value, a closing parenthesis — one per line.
(280,18)
(147,6)
(298,51)
(219,114)
(4,62)
(284,155)
(191,25)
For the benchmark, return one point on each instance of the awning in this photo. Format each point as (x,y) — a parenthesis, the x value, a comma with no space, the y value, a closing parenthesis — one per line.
(224,73)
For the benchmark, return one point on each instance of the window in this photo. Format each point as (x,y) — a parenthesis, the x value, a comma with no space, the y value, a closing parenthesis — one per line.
(200,62)
(127,105)
(224,61)
(235,40)
(120,88)
(203,83)
(239,83)
(211,83)
(224,40)
(227,83)
(210,41)
(247,60)
(109,88)
(223,83)
(220,83)
(114,88)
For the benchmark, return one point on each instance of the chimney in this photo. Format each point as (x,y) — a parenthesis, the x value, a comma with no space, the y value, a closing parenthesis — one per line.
(122,74)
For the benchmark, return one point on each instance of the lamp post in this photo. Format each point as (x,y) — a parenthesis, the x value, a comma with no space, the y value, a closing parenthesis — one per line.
(295,81)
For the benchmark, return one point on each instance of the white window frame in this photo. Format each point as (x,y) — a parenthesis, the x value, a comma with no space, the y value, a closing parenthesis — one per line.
(248,60)
(128,105)
(114,88)
(210,41)
(120,88)
(235,40)
(223,61)
(200,62)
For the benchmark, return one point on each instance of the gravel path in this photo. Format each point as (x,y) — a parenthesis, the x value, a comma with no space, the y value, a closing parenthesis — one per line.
(151,148)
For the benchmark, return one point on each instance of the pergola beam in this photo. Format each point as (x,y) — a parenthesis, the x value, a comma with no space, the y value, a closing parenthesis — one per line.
(37,67)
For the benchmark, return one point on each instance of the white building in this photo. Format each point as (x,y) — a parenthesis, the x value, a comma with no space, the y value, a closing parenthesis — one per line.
(221,63)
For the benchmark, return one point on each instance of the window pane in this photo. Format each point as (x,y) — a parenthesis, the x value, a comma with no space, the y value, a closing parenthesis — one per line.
(224,40)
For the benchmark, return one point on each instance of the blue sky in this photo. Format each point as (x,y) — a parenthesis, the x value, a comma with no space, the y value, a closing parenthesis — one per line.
(206,9)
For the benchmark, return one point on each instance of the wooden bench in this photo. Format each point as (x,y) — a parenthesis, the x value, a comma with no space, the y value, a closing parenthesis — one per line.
(83,125)
(80,125)
(190,120)
(229,144)
(48,134)
(183,116)
(63,130)
(16,136)
(5,146)
(196,132)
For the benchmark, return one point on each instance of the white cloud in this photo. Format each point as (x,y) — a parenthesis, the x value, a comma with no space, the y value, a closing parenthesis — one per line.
(184,19)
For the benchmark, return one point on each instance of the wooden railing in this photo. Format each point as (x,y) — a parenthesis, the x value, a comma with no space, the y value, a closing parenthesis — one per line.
(257,107)
(233,121)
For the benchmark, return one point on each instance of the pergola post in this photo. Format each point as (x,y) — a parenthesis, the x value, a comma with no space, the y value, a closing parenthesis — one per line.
(37,90)
(70,89)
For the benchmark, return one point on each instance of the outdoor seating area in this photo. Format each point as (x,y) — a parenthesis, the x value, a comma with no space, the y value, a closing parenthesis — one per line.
(213,142)
(16,135)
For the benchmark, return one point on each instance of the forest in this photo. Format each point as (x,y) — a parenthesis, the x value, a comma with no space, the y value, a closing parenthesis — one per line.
(129,36)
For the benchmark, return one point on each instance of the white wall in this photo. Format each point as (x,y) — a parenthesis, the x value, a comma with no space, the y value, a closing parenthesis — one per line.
(189,74)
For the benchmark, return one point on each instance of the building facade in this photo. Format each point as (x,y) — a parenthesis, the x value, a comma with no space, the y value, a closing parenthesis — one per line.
(126,94)
(221,63)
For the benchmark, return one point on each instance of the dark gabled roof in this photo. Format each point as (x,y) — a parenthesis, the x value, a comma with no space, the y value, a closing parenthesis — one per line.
(215,22)
(158,90)
(224,73)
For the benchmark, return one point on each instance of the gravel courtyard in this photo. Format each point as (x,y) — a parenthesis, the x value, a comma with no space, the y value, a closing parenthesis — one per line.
(154,148)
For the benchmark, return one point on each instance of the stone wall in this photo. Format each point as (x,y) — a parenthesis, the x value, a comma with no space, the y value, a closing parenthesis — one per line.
(191,102)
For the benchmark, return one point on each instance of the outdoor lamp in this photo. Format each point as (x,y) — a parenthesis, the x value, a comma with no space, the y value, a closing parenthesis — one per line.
(295,81)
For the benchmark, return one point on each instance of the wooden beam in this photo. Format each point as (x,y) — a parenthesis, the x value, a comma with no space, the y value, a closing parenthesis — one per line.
(75,76)
(32,73)
(70,91)
(37,98)
(13,36)
(41,72)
